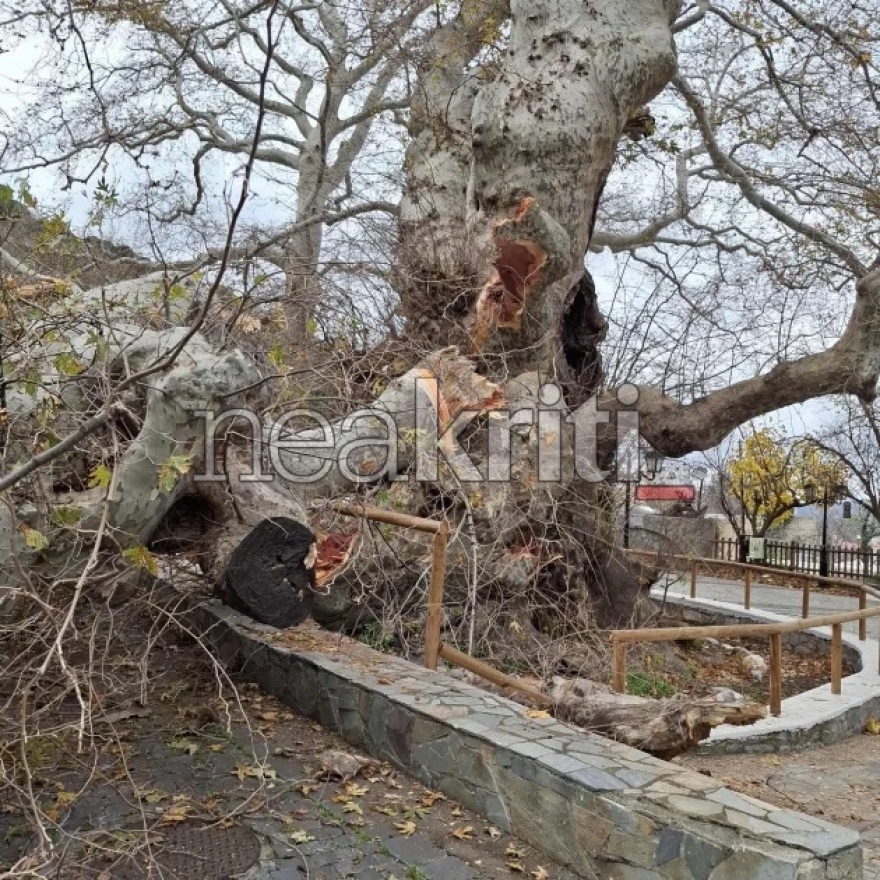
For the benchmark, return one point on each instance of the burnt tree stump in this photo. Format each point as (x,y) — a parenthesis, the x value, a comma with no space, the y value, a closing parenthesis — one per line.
(271,573)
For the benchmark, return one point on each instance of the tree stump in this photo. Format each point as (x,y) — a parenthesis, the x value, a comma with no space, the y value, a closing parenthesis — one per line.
(271,574)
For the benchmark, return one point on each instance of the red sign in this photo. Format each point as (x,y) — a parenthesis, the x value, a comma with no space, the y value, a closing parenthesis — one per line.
(665,493)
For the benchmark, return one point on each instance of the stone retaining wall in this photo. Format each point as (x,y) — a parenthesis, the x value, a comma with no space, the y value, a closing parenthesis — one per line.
(607,810)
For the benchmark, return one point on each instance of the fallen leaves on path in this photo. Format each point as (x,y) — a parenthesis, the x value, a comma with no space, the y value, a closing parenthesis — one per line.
(406,828)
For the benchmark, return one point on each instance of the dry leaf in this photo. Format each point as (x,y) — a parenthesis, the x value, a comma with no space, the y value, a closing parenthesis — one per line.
(431,798)
(518,867)
(183,745)
(352,807)
(537,713)
(267,716)
(355,790)
(305,790)
(514,852)
(456,811)
(493,832)
(300,836)
(873,726)
(254,771)
(406,828)
(540,873)
(177,813)
(388,811)
(466,833)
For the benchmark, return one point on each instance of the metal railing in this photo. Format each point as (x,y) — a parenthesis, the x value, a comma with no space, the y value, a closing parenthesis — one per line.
(807,558)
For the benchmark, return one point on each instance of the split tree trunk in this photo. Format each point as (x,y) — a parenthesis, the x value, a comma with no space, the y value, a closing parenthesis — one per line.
(505,170)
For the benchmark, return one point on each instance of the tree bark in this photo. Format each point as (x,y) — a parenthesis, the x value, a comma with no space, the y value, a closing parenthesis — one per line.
(523,162)
(664,728)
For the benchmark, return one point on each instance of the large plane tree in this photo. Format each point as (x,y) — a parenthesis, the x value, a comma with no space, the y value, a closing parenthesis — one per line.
(726,153)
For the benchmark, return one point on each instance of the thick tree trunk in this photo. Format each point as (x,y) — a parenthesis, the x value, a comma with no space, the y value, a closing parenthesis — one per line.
(504,174)
(522,159)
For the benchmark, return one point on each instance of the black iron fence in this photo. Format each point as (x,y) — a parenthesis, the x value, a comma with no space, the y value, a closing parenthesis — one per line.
(845,562)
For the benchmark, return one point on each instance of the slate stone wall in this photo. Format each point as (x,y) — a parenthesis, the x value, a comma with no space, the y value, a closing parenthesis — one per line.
(607,810)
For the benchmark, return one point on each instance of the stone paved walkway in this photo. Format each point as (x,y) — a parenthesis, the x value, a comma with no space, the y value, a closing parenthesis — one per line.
(605,808)
(839,783)
(175,762)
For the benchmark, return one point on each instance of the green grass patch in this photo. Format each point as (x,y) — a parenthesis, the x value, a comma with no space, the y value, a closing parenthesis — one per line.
(639,684)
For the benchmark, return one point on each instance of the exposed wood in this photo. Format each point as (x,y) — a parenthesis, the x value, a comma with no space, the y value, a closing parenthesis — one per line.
(747,585)
(805,600)
(434,615)
(746,630)
(836,657)
(664,728)
(484,670)
(694,579)
(776,674)
(863,622)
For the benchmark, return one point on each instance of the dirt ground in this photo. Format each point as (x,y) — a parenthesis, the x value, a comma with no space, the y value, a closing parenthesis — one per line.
(696,667)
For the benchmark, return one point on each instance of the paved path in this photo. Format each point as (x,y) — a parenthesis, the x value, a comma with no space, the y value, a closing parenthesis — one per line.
(182,764)
(839,783)
(767,597)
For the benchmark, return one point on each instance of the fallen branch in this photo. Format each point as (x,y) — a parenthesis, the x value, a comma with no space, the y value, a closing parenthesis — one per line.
(664,728)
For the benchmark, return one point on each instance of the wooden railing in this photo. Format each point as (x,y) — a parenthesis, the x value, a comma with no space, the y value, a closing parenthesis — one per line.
(440,529)
(434,648)
(621,638)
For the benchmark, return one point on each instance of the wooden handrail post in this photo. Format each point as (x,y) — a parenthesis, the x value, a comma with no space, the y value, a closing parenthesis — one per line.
(434,616)
(693,579)
(618,667)
(863,623)
(776,674)
(805,601)
(836,657)
(747,583)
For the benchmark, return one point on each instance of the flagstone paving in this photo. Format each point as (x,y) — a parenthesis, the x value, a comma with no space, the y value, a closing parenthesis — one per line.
(838,783)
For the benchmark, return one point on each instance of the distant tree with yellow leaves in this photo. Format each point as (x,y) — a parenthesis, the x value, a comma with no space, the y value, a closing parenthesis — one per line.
(767,476)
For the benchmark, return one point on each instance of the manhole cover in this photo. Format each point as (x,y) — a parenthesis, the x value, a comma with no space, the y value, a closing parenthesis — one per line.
(193,852)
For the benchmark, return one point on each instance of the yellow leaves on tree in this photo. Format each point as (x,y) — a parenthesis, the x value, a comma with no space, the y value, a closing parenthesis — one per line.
(770,477)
